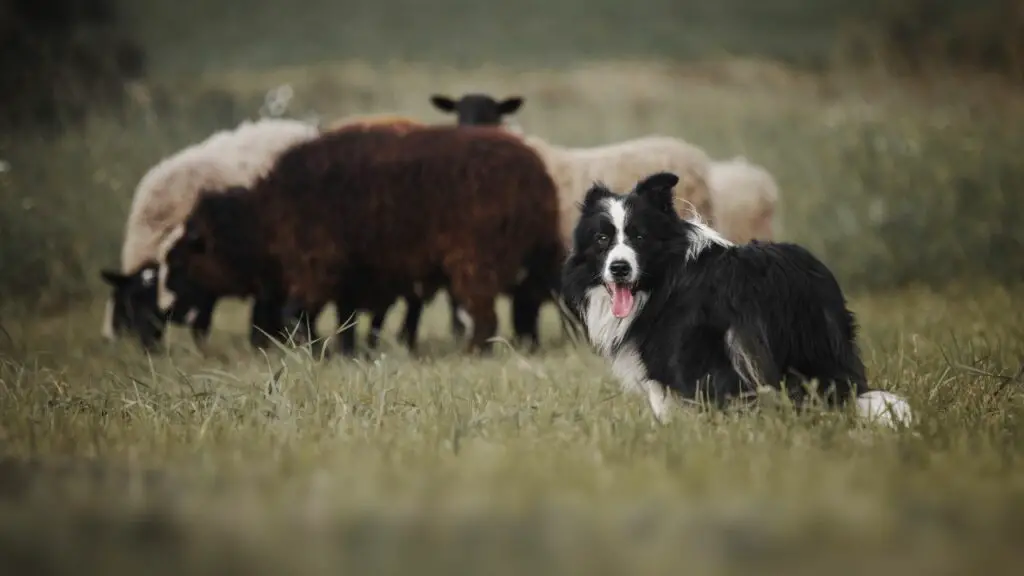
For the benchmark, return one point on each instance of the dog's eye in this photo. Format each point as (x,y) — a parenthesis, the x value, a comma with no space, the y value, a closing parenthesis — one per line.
(602,238)
(638,237)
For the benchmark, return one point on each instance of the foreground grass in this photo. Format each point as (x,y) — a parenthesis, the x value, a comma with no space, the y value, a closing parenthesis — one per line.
(226,460)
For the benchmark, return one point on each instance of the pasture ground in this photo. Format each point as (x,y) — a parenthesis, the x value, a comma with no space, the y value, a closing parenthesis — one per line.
(189,462)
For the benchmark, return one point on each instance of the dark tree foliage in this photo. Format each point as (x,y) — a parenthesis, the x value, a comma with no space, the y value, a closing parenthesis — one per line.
(60,59)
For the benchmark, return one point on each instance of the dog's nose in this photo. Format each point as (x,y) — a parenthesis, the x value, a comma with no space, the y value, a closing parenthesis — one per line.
(620,269)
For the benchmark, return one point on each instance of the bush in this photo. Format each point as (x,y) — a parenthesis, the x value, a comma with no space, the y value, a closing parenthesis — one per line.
(60,59)
(914,36)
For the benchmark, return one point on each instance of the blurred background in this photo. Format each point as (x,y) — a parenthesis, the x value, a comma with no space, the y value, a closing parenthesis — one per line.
(891,125)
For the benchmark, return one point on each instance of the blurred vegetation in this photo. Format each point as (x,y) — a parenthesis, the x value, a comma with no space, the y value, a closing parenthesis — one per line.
(61,59)
(891,181)
(916,36)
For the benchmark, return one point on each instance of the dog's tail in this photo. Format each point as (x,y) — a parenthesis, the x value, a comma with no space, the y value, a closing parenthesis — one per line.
(884,407)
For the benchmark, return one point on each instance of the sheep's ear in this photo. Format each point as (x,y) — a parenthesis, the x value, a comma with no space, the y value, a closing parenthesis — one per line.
(509,105)
(442,103)
(657,189)
(115,279)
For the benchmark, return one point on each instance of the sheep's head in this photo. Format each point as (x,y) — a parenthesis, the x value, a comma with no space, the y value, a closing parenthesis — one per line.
(133,306)
(209,253)
(477,109)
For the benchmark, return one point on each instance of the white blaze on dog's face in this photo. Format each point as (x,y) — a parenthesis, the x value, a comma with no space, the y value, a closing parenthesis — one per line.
(621,268)
(620,239)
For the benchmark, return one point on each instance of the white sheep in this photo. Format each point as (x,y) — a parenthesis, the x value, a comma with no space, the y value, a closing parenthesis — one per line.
(165,196)
(744,196)
(620,166)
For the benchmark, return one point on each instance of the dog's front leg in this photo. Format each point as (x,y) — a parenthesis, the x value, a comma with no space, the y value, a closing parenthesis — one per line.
(661,401)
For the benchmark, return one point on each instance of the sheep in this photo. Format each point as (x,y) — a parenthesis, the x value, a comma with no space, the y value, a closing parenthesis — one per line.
(464,208)
(620,166)
(162,199)
(414,302)
(735,195)
(481,110)
(744,196)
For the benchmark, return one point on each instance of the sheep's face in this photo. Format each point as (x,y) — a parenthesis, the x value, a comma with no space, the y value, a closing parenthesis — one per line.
(134,306)
(194,269)
(477,109)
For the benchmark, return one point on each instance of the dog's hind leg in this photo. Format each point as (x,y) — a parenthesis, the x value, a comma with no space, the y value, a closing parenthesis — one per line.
(751,358)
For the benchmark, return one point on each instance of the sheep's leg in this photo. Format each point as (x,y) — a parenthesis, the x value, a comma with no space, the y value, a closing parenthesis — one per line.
(266,321)
(526,306)
(411,326)
(476,292)
(376,325)
(200,327)
(347,317)
(458,327)
(294,320)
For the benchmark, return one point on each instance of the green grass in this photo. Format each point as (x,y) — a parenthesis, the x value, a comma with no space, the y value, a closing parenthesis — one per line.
(468,32)
(512,463)
(200,463)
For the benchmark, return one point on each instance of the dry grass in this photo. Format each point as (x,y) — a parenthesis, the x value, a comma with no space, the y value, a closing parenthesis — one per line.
(204,463)
(510,463)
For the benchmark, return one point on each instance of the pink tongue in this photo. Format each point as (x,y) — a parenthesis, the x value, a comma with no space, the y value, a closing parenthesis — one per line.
(622,301)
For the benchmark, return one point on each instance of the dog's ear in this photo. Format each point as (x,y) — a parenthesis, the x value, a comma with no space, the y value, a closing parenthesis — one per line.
(509,105)
(657,189)
(442,103)
(597,192)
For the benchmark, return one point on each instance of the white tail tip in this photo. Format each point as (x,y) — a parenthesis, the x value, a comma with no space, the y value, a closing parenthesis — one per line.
(884,408)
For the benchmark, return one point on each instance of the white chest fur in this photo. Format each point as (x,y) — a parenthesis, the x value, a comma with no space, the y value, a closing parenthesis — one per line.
(606,333)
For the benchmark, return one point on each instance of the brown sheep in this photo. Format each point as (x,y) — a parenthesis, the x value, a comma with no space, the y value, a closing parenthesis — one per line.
(361,217)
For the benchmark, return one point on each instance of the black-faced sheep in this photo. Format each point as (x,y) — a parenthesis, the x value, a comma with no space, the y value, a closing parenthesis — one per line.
(477,109)
(362,217)
(163,197)
(484,110)
(737,197)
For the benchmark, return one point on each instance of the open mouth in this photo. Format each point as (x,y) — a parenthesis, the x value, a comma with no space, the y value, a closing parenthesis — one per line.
(622,298)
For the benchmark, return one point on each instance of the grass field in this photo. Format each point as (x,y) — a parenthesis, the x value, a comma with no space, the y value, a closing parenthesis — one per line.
(232,461)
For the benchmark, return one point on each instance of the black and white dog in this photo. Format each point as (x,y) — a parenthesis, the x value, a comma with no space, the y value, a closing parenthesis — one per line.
(679,310)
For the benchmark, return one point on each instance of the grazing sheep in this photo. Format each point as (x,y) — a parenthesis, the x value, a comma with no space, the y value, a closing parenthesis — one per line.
(362,217)
(163,197)
(743,196)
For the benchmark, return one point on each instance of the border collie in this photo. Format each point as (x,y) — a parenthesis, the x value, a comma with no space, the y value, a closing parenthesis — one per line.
(679,310)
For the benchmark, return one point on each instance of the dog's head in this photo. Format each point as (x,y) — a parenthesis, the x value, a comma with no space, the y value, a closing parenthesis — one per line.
(621,241)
